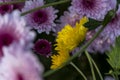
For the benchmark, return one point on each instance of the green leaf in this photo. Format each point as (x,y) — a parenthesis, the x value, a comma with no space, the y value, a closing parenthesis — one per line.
(114,55)
(118,1)
(108,17)
(92,24)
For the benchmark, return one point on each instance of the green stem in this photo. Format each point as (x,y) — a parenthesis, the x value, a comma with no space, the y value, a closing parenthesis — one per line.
(81,73)
(116,77)
(12,2)
(47,5)
(96,68)
(91,65)
(116,74)
(50,72)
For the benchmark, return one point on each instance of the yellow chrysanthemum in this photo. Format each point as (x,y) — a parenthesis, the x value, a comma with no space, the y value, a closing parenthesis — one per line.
(67,40)
(59,59)
(70,37)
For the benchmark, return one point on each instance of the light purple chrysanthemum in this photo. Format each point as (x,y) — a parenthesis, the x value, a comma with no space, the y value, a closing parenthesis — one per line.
(42,20)
(100,44)
(91,8)
(107,38)
(18,64)
(68,18)
(13,29)
(112,30)
(43,47)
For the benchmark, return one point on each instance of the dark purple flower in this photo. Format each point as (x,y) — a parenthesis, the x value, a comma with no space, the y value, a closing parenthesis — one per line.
(43,47)
(9,8)
(18,6)
(5,9)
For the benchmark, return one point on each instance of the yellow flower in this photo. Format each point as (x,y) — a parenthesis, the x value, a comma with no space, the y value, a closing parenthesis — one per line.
(70,37)
(59,59)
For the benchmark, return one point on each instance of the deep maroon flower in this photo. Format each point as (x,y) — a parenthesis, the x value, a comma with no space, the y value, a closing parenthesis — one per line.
(9,8)
(43,47)
(5,9)
(18,6)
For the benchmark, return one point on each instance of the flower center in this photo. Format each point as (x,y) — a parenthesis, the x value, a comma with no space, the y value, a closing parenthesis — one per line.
(89,4)
(5,40)
(40,17)
(42,47)
(20,77)
(5,8)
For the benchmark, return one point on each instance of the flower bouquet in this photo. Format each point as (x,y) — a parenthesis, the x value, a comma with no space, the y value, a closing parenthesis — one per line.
(59,39)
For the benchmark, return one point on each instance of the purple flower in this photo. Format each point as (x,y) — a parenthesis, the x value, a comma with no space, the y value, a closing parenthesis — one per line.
(91,8)
(18,64)
(18,6)
(107,38)
(108,78)
(112,30)
(43,19)
(68,18)
(100,44)
(43,47)
(8,8)
(5,8)
(13,29)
